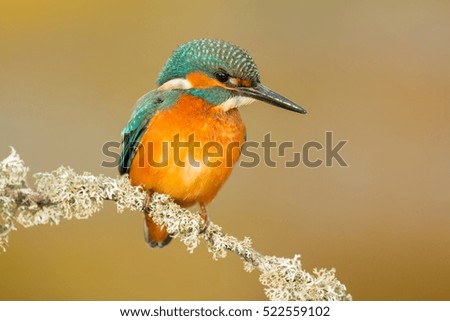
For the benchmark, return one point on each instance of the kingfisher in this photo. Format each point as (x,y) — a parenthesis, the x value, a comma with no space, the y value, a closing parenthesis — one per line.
(184,137)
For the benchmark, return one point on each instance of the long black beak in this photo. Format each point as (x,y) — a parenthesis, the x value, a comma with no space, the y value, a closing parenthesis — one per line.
(262,93)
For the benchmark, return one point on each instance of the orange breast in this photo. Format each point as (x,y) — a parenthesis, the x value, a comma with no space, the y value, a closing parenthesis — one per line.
(194,169)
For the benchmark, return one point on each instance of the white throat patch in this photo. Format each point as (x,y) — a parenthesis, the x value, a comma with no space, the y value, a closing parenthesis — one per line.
(177,83)
(235,102)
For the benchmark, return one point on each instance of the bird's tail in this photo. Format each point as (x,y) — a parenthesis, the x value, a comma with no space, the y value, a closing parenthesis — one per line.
(155,235)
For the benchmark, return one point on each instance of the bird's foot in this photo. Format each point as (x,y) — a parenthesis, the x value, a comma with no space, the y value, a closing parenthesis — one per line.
(147,201)
(205,218)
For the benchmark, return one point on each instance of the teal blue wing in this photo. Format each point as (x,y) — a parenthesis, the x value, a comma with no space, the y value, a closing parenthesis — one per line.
(146,107)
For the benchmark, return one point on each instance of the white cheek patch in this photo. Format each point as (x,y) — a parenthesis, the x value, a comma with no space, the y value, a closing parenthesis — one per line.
(235,102)
(234,81)
(177,83)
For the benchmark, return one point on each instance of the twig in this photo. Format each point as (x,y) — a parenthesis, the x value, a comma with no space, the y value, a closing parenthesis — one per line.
(63,194)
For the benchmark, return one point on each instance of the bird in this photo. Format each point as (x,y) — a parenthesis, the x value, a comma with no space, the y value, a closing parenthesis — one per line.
(195,105)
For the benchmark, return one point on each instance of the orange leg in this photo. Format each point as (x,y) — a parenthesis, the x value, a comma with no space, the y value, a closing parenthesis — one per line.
(204,216)
(147,201)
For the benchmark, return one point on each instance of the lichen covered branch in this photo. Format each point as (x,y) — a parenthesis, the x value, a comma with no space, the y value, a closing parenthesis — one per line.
(63,194)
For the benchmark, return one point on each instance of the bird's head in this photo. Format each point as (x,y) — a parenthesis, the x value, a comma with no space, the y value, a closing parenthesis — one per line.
(223,74)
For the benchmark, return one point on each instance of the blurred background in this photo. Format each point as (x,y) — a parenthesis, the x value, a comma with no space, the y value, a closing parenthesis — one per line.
(374,73)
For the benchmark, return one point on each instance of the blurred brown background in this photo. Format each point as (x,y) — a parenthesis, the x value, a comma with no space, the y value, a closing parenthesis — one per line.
(375,73)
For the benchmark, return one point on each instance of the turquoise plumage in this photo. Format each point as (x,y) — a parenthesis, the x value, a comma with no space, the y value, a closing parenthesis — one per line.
(209,55)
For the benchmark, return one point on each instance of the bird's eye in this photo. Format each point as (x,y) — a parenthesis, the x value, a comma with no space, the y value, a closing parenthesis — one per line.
(222,76)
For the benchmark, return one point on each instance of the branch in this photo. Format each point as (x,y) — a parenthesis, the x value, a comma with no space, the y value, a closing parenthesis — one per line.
(63,194)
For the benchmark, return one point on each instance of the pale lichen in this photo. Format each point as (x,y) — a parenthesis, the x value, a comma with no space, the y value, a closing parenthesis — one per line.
(64,194)
(13,174)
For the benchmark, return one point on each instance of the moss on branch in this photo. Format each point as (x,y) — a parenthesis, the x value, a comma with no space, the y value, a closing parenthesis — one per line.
(64,194)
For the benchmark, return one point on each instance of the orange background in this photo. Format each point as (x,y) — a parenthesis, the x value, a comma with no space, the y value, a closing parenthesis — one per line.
(374,73)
